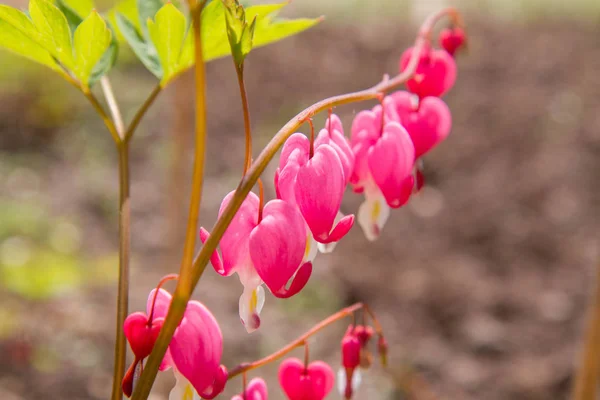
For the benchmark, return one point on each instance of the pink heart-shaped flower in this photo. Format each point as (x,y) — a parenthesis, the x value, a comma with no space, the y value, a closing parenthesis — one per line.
(428,125)
(313,382)
(256,390)
(435,74)
(140,335)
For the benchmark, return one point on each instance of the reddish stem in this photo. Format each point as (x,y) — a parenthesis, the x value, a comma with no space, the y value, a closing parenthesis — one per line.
(329,113)
(306,354)
(242,368)
(261,199)
(164,280)
(312,138)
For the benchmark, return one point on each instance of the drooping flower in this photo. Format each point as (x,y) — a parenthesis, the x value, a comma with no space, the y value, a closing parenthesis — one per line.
(305,382)
(383,168)
(270,250)
(435,73)
(316,184)
(256,390)
(194,351)
(452,39)
(428,121)
(354,354)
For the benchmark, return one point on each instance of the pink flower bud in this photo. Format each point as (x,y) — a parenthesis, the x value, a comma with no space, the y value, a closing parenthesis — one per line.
(350,349)
(452,39)
(300,382)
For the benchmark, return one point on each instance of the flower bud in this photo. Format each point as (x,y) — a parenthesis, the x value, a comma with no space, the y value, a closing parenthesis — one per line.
(350,349)
(382,348)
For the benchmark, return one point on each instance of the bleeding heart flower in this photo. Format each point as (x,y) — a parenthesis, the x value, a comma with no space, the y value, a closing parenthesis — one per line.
(300,382)
(452,39)
(333,135)
(428,121)
(383,168)
(435,73)
(141,333)
(256,390)
(194,351)
(315,184)
(269,251)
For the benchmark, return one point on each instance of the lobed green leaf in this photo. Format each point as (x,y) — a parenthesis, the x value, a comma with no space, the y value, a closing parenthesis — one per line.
(140,47)
(92,39)
(167,32)
(54,33)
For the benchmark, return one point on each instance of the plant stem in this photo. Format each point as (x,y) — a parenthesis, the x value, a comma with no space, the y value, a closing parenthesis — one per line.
(184,286)
(124,256)
(178,304)
(586,378)
(141,112)
(105,118)
(242,368)
(247,129)
(112,105)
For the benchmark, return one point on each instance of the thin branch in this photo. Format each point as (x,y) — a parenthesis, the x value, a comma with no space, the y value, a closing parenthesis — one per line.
(346,312)
(184,286)
(140,113)
(105,118)
(109,95)
(247,129)
(124,258)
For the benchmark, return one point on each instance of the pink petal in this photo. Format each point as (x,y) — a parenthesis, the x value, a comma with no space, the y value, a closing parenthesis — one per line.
(334,123)
(161,308)
(197,346)
(435,74)
(277,244)
(365,126)
(391,161)
(256,390)
(319,191)
(286,181)
(299,143)
(341,229)
(313,382)
(428,125)
(140,335)
(218,384)
(298,283)
(234,243)
(339,143)
(361,173)
(215,259)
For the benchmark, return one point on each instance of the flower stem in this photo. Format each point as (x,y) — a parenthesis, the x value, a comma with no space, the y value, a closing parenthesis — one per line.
(247,129)
(141,112)
(242,368)
(124,250)
(184,285)
(311,151)
(586,378)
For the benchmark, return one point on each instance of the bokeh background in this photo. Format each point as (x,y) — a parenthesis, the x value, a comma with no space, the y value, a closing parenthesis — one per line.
(481,282)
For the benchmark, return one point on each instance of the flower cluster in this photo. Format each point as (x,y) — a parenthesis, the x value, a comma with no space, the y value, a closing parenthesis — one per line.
(276,243)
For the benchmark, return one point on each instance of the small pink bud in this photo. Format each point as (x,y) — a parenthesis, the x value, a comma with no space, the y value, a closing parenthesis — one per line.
(364,334)
(141,333)
(350,349)
(452,39)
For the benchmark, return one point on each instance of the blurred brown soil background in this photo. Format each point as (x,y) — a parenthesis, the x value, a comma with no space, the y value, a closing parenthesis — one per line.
(481,283)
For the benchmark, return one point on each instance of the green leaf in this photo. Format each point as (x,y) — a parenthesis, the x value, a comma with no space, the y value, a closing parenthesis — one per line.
(54,31)
(168,33)
(73,18)
(108,60)
(144,51)
(239,32)
(147,9)
(128,8)
(16,41)
(92,39)
(80,7)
